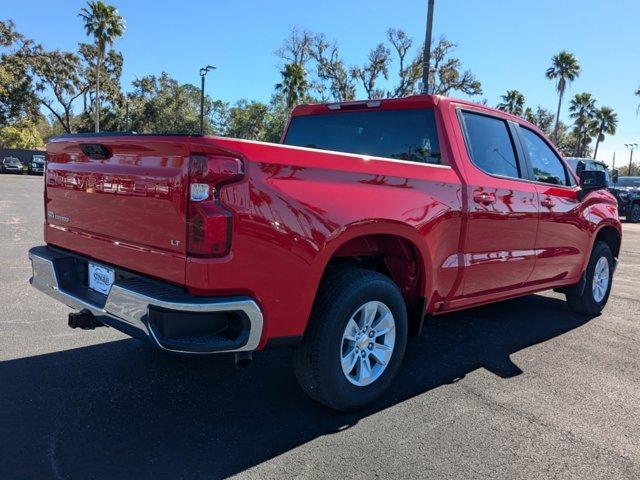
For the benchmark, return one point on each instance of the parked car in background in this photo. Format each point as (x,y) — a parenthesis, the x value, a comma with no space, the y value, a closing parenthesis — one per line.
(11,165)
(625,189)
(36,165)
(371,215)
(632,183)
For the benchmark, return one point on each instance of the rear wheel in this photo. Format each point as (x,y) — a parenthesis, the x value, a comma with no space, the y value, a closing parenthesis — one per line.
(634,213)
(597,286)
(355,342)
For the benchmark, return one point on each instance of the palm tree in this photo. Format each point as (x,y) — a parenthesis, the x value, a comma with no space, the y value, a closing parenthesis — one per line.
(512,102)
(608,121)
(104,24)
(294,84)
(565,68)
(583,111)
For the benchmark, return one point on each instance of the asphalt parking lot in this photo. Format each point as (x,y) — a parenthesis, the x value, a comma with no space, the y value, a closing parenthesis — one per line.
(520,389)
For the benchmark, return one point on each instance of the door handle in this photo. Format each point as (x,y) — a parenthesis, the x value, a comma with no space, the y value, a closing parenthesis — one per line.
(547,203)
(484,198)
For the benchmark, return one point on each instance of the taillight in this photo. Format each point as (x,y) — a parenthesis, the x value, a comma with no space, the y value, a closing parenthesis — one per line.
(209,224)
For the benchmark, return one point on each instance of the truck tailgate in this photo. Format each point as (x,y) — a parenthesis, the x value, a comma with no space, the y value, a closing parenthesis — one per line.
(120,200)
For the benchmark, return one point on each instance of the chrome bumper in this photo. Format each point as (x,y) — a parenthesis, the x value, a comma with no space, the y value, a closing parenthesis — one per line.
(126,308)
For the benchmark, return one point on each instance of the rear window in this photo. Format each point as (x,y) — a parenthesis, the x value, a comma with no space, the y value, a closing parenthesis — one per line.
(399,134)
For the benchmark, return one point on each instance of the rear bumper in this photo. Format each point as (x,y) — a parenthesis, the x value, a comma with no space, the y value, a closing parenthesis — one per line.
(144,308)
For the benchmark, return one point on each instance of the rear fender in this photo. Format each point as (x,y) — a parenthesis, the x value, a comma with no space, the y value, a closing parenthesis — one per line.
(376,227)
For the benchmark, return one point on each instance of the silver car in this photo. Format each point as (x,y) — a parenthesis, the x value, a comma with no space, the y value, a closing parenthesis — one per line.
(11,165)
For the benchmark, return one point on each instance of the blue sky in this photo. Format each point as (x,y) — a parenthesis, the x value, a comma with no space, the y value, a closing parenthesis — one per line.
(507,44)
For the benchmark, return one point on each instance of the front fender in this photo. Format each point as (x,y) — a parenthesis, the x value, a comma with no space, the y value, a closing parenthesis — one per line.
(601,215)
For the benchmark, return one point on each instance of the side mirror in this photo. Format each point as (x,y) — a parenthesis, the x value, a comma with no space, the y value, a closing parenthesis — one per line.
(580,168)
(614,175)
(591,180)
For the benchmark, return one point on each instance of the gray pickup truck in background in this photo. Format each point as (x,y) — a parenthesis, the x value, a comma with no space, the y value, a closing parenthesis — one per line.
(625,189)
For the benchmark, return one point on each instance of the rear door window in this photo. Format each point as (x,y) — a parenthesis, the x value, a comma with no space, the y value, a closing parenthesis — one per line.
(398,134)
(490,145)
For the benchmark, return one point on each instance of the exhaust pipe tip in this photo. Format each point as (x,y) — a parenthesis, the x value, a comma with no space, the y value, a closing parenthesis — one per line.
(243,360)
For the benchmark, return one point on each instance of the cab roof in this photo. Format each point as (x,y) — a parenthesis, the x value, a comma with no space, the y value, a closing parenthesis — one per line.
(414,101)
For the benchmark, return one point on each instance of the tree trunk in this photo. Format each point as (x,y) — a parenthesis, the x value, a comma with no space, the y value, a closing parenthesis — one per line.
(97,105)
(426,54)
(578,150)
(555,130)
(290,100)
(595,150)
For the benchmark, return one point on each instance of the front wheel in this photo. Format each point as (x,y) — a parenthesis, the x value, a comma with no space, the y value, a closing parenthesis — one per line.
(355,341)
(634,213)
(597,287)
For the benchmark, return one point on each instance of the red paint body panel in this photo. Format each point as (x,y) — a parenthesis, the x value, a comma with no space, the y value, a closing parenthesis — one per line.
(499,248)
(124,210)
(296,207)
(562,242)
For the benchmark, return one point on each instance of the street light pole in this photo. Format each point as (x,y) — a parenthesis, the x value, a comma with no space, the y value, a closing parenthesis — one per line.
(426,54)
(203,73)
(631,147)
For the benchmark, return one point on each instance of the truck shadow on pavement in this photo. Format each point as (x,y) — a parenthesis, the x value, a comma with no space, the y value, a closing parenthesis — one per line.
(122,410)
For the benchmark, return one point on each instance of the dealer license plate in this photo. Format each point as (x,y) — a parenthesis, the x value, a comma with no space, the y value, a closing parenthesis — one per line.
(101,278)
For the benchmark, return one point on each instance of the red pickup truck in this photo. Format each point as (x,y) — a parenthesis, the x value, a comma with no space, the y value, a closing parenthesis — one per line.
(368,217)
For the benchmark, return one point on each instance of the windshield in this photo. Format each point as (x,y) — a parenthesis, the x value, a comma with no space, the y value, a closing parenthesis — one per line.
(39,160)
(628,182)
(11,161)
(399,134)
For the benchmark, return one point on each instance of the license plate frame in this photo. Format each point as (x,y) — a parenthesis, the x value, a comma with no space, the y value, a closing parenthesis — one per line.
(100,278)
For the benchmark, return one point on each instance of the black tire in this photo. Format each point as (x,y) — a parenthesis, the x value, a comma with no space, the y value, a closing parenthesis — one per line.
(584,302)
(317,358)
(634,213)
